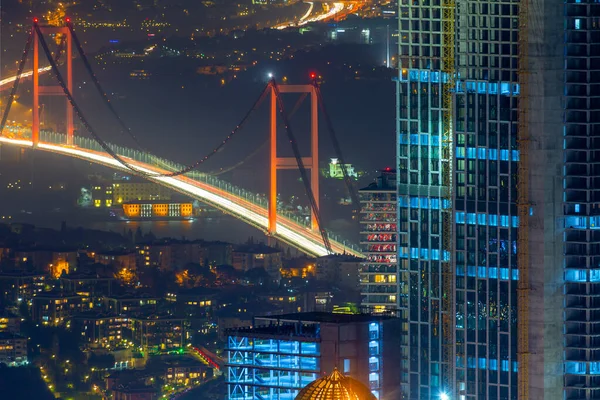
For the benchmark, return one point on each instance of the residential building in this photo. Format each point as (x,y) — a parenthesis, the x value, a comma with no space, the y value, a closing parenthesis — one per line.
(279,355)
(17,286)
(378,229)
(117,259)
(9,322)
(130,304)
(57,308)
(13,349)
(89,285)
(194,302)
(99,330)
(247,257)
(342,270)
(156,333)
(52,261)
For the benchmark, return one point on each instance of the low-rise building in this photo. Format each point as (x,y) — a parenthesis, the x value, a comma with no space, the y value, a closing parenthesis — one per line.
(89,285)
(55,308)
(287,352)
(17,286)
(250,256)
(52,261)
(195,302)
(135,392)
(100,330)
(118,259)
(130,304)
(340,269)
(156,333)
(13,349)
(10,323)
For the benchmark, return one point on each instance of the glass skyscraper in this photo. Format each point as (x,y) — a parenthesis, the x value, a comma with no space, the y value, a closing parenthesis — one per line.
(522,119)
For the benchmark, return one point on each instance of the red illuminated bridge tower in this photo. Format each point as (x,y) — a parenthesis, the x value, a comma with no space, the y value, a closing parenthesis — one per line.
(51,90)
(311,162)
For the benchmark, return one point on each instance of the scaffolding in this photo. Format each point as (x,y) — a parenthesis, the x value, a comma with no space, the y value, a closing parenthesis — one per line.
(523,205)
(448,72)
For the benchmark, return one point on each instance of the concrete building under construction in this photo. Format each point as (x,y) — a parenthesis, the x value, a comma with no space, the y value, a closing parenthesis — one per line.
(498,206)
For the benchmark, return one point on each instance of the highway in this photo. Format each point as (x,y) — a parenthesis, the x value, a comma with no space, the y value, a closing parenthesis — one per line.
(288,231)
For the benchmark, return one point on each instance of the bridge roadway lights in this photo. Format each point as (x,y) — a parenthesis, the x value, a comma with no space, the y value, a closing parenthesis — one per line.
(277,163)
(54,90)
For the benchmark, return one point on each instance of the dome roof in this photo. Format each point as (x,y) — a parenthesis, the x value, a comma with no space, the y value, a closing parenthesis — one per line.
(335,387)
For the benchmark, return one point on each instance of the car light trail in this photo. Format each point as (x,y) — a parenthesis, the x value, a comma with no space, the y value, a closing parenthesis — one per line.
(287,230)
(26,74)
(333,10)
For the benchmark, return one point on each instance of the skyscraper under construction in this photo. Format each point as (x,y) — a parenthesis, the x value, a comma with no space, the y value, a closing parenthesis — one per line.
(498,169)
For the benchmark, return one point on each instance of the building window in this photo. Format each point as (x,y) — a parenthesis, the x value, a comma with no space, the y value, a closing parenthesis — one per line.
(346,366)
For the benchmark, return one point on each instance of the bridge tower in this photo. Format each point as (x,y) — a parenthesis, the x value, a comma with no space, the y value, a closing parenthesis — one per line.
(311,162)
(53,90)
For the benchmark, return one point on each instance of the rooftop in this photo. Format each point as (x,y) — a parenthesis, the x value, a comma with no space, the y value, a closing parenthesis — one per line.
(327,317)
(256,249)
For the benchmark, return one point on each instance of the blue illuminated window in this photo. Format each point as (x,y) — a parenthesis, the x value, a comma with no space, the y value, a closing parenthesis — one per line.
(577,23)
(471,218)
(346,365)
(493,220)
(575,275)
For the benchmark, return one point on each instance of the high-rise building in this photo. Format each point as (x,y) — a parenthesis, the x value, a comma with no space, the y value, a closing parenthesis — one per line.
(508,202)
(379,271)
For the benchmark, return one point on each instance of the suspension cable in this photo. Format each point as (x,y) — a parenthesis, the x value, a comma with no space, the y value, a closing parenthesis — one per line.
(301,167)
(107,148)
(99,88)
(76,108)
(13,91)
(337,149)
(262,146)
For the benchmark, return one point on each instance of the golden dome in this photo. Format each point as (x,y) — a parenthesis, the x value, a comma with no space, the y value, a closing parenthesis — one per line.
(335,387)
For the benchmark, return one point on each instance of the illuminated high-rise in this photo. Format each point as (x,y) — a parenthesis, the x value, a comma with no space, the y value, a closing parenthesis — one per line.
(522,241)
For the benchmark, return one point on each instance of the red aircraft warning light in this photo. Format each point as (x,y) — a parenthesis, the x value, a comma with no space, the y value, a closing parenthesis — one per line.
(68,20)
(313,75)
(35,20)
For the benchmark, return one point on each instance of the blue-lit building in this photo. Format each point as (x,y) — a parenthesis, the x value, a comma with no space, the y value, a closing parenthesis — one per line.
(279,355)
(522,199)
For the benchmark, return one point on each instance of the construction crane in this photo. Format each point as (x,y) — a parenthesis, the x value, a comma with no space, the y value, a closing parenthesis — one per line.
(523,204)
(448,84)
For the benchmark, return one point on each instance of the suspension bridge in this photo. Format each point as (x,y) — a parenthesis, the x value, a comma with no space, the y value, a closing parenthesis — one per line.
(257,210)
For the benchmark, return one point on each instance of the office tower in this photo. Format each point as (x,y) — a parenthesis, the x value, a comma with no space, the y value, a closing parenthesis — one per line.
(379,271)
(522,241)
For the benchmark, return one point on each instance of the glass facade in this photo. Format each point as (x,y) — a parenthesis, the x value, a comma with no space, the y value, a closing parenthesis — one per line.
(270,369)
(581,196)
(485,219)
(563,246)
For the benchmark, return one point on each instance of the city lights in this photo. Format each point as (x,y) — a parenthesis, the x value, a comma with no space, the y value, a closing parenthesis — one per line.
(288,231)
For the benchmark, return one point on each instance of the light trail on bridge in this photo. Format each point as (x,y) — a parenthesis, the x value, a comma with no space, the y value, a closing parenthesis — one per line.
(335,9)
(288,231)
(26,74)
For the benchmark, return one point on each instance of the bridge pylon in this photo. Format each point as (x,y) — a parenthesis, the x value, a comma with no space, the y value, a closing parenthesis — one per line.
(51,90)
(279,163)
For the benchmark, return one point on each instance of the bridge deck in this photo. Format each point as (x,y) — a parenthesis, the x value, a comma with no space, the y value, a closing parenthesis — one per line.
(288,230)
